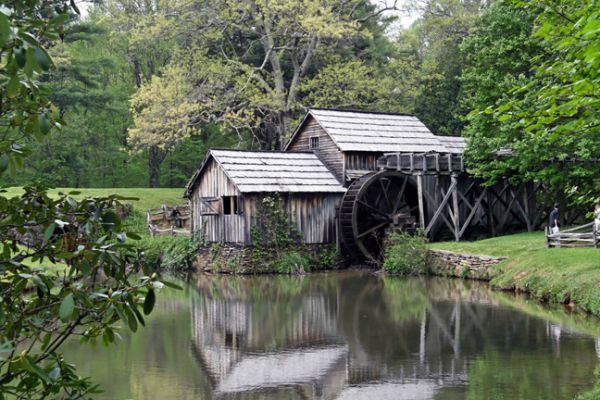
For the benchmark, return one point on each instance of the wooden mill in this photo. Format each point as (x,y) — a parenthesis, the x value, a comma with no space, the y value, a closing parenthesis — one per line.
(381,172)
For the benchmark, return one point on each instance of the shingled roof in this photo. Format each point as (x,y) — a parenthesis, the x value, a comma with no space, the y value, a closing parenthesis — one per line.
(272,171)
(454,144)
(377,132)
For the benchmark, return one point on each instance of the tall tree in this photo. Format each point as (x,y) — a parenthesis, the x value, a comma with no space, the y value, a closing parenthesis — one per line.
(249,65)
(144,34)
(550,121)
(499,56)
(441,29)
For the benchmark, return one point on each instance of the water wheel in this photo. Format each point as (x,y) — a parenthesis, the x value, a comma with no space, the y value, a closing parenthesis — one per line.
(375,204)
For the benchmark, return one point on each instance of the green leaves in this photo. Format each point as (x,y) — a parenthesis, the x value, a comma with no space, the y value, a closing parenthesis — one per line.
(149,301)
(49,231)
(4,29)
(66,308)
(41,58)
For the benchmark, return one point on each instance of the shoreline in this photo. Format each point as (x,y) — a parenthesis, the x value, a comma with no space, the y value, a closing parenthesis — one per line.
(523,264)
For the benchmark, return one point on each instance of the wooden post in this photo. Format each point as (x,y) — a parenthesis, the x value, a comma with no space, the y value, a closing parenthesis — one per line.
(490,210)
(526,206)
(455,209)
(421,200)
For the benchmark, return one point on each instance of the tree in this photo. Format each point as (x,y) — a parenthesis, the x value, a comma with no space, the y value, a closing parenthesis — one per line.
(90,88)
(443,27)
(144,35)
(499,56)
(550,121)
(247,65)
(94,288)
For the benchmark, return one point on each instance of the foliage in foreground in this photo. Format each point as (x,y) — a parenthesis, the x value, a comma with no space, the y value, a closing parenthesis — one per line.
(405,254)
(93,288)
(41,308)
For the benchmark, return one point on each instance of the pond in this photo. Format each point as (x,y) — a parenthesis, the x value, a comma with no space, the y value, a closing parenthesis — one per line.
(348,335)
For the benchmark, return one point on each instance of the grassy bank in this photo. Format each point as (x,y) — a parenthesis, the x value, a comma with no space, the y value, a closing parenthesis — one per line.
(148,197)
(553,275)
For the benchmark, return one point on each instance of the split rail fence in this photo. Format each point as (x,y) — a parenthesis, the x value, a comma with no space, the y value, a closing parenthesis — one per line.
(161,221)
(580,236)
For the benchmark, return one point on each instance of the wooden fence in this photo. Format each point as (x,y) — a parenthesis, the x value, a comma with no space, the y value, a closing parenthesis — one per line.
(162,221)
(580,236)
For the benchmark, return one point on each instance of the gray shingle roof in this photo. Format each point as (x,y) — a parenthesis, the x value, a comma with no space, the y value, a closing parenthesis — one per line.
(261,171)
(378,132)
(454,144)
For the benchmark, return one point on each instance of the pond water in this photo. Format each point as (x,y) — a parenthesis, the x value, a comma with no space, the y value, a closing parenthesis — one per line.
(348,335)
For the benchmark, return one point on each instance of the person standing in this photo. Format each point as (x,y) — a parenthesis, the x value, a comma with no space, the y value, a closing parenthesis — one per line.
(554,219)
(176,217)
(597,217)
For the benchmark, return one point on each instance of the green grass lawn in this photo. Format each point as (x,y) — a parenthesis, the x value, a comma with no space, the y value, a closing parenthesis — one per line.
(148,197)
(554,274)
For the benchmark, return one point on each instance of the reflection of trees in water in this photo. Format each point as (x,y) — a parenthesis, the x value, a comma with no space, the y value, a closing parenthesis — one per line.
(406,298)
(357,328)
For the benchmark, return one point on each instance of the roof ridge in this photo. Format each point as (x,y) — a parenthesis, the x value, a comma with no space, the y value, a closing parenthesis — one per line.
(351,110)
(257,151)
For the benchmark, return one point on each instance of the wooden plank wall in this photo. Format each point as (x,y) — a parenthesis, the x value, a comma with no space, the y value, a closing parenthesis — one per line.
(328,152)
(217,228)
(313,213)
(362,160)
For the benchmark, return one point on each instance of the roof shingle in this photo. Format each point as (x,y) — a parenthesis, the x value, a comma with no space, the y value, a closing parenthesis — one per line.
(377,132)
(254,171)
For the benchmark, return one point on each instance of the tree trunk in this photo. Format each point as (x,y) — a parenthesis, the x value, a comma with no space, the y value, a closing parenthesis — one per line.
(155,158)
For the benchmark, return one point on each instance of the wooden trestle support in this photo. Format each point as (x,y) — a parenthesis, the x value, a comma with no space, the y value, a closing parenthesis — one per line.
(433,193)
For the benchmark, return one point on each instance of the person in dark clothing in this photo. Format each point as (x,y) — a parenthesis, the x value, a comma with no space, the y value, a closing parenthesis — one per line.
(176,217)
(554,219)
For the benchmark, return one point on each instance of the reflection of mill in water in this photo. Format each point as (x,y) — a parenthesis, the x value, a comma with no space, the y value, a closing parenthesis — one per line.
(346,341)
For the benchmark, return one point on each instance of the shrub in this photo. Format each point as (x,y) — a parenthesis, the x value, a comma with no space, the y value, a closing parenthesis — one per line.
(292,263)
(173,253)
(405,254)
(329,256)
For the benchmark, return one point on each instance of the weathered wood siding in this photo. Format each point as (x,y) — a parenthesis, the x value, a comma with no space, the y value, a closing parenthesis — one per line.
(328,152)
(362,160)
(313,213)
(218,228)
(315,216)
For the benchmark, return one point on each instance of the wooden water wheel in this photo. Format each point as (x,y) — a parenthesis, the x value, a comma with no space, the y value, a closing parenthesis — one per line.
(375,204)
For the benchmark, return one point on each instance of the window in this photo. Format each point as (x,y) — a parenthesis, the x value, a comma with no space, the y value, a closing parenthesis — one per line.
(230,205)
(209,206)
(313,142)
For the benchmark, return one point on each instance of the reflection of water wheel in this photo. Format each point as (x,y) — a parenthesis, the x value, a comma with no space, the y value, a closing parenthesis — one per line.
(374,203)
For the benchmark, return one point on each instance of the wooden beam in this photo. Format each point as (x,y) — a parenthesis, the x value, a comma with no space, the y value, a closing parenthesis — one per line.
(468,204)
(454,180)
(473,212)
(440,208)
(448,223)
(526,205)
(421,201)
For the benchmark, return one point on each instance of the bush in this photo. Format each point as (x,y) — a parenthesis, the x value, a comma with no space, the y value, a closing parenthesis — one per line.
(292,263)
(405,254)
(172,253)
